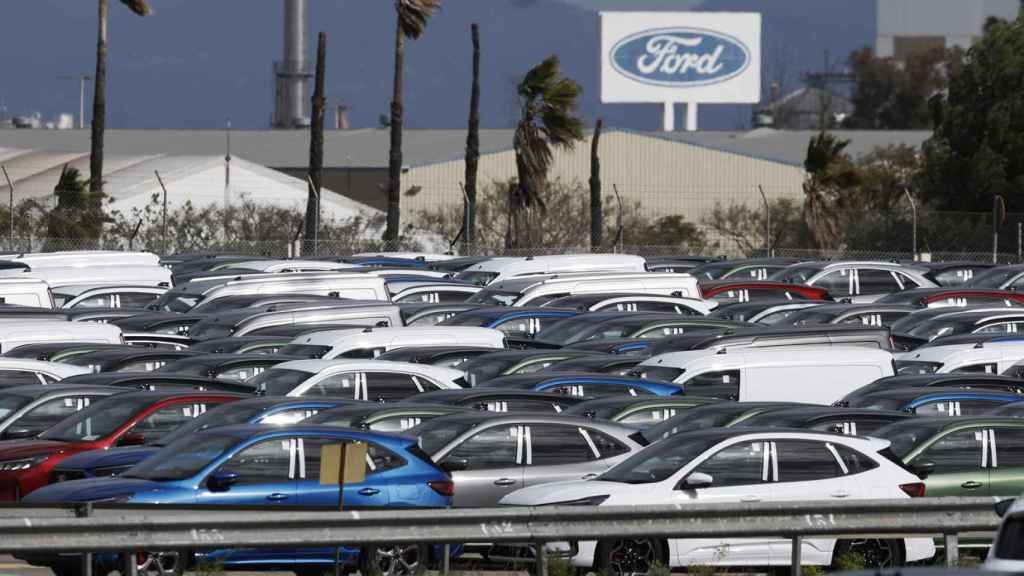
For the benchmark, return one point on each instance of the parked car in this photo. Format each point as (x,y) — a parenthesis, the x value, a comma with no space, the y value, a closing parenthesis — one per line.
(129,359)
(584,385)
(394,418)
(982,357)
(22,372)
(499,400)
(856,281)
(125,420)
(451,356)
(27,411)
(519,323)
(874,314)
(954,297)
(953,273)
(933,400)
(491,456)
(768,312)
(155,381)
(729,466)
(57,351)
(497,269)
(539,290)
(242,345)
(851,421)
(1005,553)
(229,367)
(372,380)
(260,465)
(732,291)
(616,364)
(834,335)
(638,412)
(741,269)
(512,362)
(715,415)
(587,302)
(15,334)
(966,381)
(432,314)
(604,325)
(372,342)
(914,330)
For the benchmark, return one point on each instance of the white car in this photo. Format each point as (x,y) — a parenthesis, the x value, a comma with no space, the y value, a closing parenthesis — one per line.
(373,380)
(503,268)
(368,343)
(23,372)
(980,357)
(731,465)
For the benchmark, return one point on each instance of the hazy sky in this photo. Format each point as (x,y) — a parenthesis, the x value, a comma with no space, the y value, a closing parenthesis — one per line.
(197,62)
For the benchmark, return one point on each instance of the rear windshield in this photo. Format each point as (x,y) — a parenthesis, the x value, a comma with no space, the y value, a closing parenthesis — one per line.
(434,435)
(305,350)
(494,298)
(278,381)
(905,436)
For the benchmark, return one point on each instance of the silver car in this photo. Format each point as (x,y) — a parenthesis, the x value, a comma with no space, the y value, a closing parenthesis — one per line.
(489,456)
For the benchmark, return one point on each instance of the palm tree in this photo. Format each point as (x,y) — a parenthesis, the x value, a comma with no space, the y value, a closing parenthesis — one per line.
(412,17)
(596,211)
(316,148)
(548,102)
(830,173)
(473,144)
(99,100)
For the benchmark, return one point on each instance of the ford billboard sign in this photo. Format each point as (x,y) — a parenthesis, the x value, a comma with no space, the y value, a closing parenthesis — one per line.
(680,57)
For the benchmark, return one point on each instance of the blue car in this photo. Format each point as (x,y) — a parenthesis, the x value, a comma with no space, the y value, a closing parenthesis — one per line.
(935,401)
(111,462)
(584,385)
(267,466)
(516,322)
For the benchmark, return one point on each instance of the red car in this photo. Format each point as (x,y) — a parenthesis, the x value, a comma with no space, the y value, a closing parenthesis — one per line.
(954,297)
(129,419)
(731,291)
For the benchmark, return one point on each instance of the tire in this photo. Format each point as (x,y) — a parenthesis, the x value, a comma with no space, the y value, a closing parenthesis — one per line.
(394,560)
(876,553)
(629,557)
(160,563)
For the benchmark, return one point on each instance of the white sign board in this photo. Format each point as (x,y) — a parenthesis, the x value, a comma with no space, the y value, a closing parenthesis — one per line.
(712,57)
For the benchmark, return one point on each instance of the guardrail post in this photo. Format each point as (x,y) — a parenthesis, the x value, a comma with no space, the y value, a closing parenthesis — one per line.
(446,562)
(952,542)
(795,558)
(84,510)
(542,560)
(129,567)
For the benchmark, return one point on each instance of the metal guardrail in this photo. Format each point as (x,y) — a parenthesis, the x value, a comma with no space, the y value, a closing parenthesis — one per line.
(137,528)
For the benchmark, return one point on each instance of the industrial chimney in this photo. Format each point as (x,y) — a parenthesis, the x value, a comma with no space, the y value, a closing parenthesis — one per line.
(292,73)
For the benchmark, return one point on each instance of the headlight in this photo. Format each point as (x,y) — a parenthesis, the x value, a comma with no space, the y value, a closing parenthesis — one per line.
(23,464)
(588,501)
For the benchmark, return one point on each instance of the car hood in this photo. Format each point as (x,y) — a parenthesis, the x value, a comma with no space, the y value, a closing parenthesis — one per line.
(93,489)
(106,458)
(15,449)
(556,492)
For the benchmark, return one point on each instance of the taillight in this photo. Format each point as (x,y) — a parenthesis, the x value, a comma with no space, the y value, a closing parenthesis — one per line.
(447,487)
(914,489)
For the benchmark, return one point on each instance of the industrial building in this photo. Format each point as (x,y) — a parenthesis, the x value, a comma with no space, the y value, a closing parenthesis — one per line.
(908,26)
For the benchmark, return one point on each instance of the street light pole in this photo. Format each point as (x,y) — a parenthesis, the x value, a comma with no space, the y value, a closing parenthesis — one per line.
(768,223)
(913,209)
(82,80)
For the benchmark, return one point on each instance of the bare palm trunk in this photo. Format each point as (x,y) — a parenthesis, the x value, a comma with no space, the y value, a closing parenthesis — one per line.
(316,146)
(596,217)
(395,159)
(99,104)
(473,144)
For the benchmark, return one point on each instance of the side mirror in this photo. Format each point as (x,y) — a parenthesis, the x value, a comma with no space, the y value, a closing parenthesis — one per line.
(132,439)
(698,480)
(19,433)
(452,464)
(221,480)
(1003,506)
(923,469)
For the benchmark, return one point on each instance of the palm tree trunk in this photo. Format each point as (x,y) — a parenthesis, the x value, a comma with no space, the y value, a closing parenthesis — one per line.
(473,144)
(395,158)
(316,146)
(596,217)
(99,105)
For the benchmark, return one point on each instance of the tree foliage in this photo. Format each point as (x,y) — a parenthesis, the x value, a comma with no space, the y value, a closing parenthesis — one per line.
(891,95)
(79,213)
(977,147)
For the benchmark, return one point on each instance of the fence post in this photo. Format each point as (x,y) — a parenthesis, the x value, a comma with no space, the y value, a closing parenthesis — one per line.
(84,510)
(795,558)
(129,567)
(542,560)
(952,543)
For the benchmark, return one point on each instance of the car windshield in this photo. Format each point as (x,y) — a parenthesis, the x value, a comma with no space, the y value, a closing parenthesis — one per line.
(657,373)
(805,317)
(478,277)
(97,421)
(208,330)
(176,302)
(905,436)
(305,350)
(278,381)
(494,298)
(435,434)
(993,278)
(939,327)
(659,461)
(11,403)
(183,459)
(695,419)
(479,371)
(469,319)
(223,415)
(796,274)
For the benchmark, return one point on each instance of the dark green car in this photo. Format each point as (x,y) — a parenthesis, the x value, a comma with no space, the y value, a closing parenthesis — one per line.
(962,456)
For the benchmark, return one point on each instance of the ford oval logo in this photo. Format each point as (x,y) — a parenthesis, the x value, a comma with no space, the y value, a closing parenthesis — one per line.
(680,57)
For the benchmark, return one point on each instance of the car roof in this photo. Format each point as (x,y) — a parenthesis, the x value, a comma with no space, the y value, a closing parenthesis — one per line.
(936,391)
(43,390)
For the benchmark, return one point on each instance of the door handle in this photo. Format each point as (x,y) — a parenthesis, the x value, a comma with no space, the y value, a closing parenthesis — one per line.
(971,485)
(277,496)
(589,476)
(504,482)
(750,499)
(369,491)
(840,494)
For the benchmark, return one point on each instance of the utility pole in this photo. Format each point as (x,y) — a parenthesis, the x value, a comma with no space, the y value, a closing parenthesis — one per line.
(83,79)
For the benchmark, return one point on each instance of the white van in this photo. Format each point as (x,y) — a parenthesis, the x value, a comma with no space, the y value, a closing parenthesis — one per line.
(982,357)
(806,374)
(25,292)
(15,334)
(101,275)
(87,258)
(373,342)
(192,296)
(498,269)
(538,291)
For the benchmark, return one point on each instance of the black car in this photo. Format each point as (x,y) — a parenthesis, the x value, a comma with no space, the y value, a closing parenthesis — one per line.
(742,269)
(390,418)
(874,314)
(59,351)
(496,400)
(918,328)
(635,347)
(131,359)
(155,381)
(618,364)
(508,362)
(852,421)
(431,314)
(814,335)
(933,400)
(228,367)
(747,311)
(446,356)
(102,315)
(602,325)
(966,381)
(171,323)
(953,273)
(715,415)
(242,345)
(641,412)
(29,410)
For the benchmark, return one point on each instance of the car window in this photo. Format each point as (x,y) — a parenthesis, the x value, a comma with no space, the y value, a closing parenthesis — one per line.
(978,406)
(239,373)
(495,447)
(342,385)
(144,365)
(737,465)
(646,417)
(378,458)
(136,299)
(598,390)
(19,378)
(855,461)
(520,405)
(955,452)
(52,411)
(262,463)
(556,444)
(873,281)
(804,461)
(722,384)
(166,419)
(362,353)
(1009,447)
(938,408)
(836,282)
(390,386)
(605,444)
(526,326)
(984,368)
(851,426)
